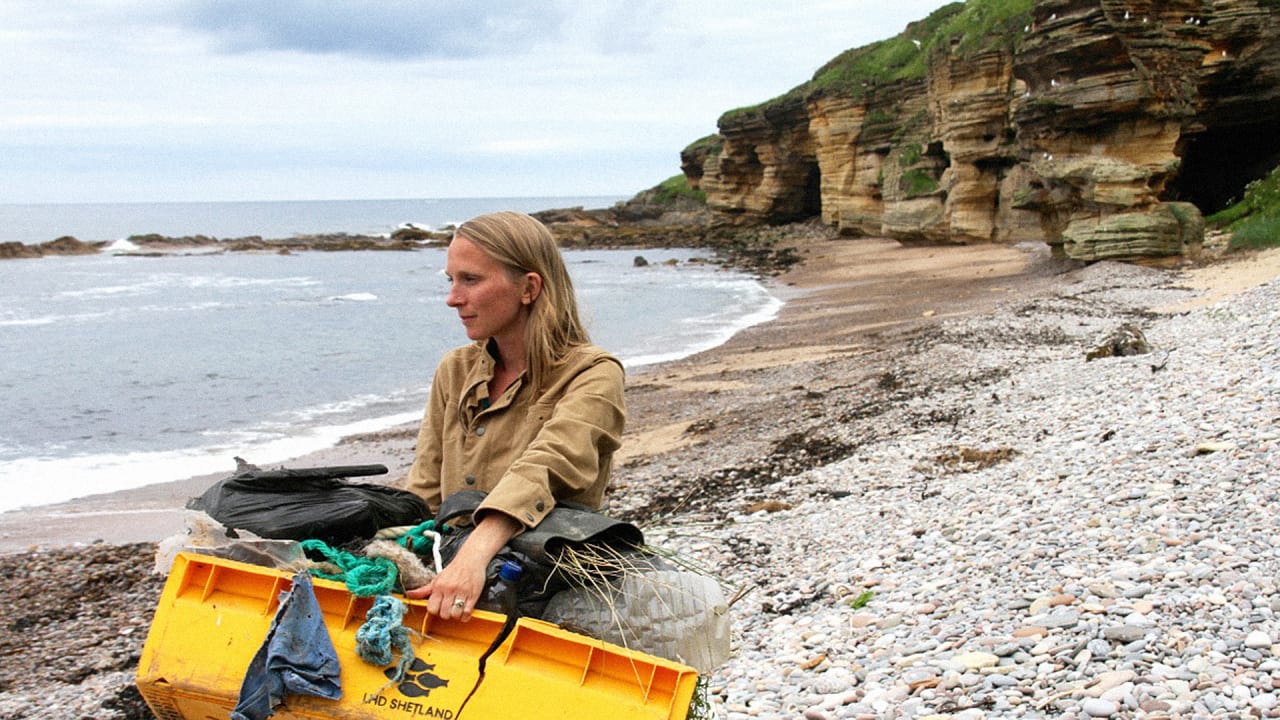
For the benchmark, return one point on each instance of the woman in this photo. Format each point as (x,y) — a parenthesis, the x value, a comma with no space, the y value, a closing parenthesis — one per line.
(530,412)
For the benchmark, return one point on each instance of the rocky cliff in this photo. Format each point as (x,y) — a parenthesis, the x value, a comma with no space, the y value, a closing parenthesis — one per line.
(1106,128)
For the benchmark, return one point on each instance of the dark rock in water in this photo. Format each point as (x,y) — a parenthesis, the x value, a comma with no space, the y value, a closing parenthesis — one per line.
(414,234)
(1126,340)
(164,241)
(643,223)
(65,245)
(640,261)
(16,250)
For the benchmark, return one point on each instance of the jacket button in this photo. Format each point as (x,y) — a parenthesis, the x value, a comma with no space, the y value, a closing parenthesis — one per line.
(539,505)
(470,480)
(480,431)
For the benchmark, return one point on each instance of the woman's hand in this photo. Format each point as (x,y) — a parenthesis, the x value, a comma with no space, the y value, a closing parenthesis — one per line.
(456,590)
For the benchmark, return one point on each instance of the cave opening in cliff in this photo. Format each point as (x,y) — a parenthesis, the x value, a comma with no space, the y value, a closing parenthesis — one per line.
(812,202)
(1218,163)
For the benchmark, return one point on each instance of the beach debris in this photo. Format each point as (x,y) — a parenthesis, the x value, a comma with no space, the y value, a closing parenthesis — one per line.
(1126,340)
(700,427)
(656,603)
(705,493)
(814,661)
(1160,362)
(966,459)
(862,600)
(1213,446)
(770,506)
(204,535)
(413,573)
(243,465)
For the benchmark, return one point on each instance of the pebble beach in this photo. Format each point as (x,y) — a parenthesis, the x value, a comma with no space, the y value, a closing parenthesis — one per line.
(1035,535)
(940,508)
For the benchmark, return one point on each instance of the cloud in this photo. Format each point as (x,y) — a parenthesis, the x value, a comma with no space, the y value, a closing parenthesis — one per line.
(618,28)
(139,100)
(391,29)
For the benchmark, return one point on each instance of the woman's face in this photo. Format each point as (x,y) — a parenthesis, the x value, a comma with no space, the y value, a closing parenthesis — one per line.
(491,302)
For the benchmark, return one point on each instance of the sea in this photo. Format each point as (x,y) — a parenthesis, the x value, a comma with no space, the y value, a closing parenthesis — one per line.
(119,371)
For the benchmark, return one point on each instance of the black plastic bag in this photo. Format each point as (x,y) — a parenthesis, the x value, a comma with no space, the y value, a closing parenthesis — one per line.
(306,503)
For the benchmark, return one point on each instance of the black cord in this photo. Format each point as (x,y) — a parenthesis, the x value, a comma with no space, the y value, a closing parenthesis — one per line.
(507,626)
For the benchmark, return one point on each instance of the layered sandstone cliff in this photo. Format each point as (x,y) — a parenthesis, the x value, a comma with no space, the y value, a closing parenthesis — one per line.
(1106,128)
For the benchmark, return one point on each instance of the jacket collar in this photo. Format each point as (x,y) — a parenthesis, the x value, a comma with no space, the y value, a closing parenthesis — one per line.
(475,398)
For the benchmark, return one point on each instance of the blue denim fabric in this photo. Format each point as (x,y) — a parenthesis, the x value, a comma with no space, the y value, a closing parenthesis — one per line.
(297,657)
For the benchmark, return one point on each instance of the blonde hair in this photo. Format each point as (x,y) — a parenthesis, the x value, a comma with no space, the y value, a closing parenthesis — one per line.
(524,245)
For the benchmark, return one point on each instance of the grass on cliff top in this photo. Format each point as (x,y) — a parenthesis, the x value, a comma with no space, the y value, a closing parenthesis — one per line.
(961,28)
(676,187)
(1254,222)
(711,144)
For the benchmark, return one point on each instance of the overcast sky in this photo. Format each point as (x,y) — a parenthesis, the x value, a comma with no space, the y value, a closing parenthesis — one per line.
(167,100)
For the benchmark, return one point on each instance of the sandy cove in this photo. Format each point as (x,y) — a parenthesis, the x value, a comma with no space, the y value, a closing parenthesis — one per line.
(845,300)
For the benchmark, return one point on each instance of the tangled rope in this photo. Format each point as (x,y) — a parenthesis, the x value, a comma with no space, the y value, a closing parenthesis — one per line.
(364,577)
(425,533)
(382,630)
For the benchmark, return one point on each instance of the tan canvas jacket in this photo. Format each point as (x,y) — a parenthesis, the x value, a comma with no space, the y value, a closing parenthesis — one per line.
(527,450)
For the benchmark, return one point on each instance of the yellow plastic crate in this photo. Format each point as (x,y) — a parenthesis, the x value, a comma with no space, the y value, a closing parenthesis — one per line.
(214,614)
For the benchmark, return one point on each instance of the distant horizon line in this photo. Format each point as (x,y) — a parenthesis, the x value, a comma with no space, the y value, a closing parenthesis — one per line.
(318,200)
